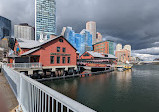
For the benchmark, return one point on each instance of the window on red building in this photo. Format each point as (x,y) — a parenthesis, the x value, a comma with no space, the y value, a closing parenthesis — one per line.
(60,40)
(64,50)
(58,49)
(52,59)
(58,59)
(68,60)
(63,59)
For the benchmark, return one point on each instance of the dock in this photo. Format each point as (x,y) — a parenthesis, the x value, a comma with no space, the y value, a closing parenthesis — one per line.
(75,75)
(7,93)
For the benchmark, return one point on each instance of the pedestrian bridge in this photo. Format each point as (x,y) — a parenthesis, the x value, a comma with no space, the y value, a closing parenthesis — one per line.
(33,96)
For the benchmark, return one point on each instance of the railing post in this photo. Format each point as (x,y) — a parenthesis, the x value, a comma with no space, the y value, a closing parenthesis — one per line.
(36,90)
(20,94)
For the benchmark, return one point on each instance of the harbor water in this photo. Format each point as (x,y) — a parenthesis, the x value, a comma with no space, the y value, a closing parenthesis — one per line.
(135,90)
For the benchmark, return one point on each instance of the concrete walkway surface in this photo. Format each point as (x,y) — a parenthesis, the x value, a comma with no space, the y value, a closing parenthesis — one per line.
(7,94)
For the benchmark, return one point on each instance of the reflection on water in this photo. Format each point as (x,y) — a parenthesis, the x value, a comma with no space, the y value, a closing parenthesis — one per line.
(123,80)
(135,90)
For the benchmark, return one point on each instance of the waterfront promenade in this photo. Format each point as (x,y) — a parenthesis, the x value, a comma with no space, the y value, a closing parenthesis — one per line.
(7,93)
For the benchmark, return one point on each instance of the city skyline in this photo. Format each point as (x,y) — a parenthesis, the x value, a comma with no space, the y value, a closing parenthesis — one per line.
(135,23)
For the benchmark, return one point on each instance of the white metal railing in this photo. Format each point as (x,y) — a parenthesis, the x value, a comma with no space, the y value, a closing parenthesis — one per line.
(36,97)
(24,65)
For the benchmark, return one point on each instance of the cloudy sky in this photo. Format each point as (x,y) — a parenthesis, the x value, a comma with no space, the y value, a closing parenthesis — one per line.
(134,22)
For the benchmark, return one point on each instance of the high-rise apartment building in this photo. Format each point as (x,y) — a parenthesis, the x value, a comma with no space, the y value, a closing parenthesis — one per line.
(91,27)
(5,27)
(128,47)
(98,37)
(118,47)
(123,54)
(45,17)
(24,31)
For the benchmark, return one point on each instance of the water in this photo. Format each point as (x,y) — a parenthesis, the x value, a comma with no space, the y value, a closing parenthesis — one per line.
(135,90)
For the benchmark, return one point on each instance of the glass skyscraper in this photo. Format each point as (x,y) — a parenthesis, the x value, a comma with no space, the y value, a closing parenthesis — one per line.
(5,27)
(81,41)
(45,17)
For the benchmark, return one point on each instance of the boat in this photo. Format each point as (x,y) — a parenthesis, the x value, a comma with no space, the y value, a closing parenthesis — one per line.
(120,69)
(123,66)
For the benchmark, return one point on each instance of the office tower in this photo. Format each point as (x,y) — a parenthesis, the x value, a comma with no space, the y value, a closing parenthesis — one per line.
(106,47)
(81,41)
(87,39)
(63,31)
(101,47)
(118,47)
(24,31)
(91,27)
(98,37)
(111,47)
(5,27)
(128,47)
(45,18)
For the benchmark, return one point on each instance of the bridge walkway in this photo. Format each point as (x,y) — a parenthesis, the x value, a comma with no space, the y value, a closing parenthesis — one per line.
(7,94)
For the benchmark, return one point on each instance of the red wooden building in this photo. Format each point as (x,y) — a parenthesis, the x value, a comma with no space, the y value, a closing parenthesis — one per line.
(54,54)
(95,59)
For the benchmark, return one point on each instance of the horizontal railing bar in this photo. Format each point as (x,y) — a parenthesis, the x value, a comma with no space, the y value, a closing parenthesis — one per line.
(46,91)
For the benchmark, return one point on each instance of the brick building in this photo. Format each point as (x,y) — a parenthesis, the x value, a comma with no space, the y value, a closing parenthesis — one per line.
(123,55)
(54,54)
(101,47)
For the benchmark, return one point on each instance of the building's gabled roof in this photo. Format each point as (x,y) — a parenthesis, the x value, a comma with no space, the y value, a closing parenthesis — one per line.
(36,45)
(12,56)
(96,54)
(30,51)
(101,55)
(54,39)
(29,44)
(110,56)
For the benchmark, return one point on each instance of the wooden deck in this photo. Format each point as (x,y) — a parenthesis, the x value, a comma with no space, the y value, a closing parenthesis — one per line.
(7,94)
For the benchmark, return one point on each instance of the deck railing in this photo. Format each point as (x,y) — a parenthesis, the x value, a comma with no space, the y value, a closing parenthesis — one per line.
(36,97)
(24,65)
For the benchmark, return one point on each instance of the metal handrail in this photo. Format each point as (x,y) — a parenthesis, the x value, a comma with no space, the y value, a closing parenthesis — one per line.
(24,65)
(36,97)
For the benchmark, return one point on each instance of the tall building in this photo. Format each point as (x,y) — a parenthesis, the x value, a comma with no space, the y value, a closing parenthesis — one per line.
(106,47)
(1,54)
(118,47)
(5,27)
(123,55)
(128,47)
(111,47)
(101,47)
(24,31)
(98,37)
(91,27)
(81,41)
(45,18)
(63,31)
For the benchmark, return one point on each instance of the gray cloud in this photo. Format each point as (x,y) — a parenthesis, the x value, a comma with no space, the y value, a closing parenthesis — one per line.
(134,22)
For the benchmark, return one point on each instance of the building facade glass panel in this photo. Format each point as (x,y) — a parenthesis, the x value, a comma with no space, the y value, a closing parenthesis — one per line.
(81,41)
(45,17)
(5,27)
